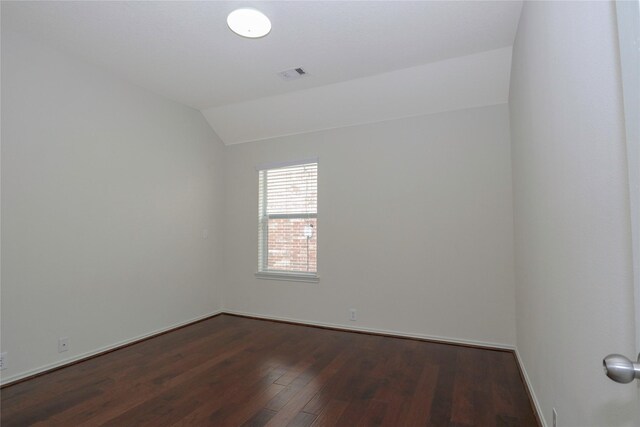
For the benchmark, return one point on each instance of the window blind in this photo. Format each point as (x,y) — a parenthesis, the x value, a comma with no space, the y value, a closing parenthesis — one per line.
(287,217)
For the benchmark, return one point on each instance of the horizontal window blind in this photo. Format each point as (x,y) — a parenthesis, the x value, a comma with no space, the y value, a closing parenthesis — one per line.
(288,224)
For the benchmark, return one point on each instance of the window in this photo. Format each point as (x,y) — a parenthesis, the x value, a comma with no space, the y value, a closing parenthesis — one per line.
(288,222)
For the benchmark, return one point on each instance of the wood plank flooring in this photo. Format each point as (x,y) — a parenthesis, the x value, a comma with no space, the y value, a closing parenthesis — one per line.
(235,371)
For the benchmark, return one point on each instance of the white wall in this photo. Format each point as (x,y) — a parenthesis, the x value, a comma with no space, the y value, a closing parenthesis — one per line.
(106,191)
(415,227)
(574,294)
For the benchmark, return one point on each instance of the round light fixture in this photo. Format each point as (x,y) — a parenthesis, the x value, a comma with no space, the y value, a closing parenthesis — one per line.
(249,23)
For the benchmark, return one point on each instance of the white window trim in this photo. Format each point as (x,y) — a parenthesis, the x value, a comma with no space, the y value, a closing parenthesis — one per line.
(276,165)
(288,277)
(285,275)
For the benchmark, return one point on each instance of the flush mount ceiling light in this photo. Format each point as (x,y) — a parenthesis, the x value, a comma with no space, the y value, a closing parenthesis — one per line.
(249,23)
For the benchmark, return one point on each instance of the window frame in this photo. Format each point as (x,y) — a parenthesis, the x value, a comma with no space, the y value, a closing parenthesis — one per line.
(263,225)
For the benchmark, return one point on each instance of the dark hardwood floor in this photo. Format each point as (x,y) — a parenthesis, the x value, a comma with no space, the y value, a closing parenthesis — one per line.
(234,371)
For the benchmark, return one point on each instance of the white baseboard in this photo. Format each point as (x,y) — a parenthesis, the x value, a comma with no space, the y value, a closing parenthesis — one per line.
(87,354)
(445,340)
(529,386)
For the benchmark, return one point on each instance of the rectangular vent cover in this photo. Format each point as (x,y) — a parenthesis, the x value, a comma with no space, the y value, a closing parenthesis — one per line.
(293,74)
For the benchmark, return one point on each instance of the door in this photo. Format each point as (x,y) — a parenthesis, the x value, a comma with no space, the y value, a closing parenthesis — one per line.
(619,367)
(629,36)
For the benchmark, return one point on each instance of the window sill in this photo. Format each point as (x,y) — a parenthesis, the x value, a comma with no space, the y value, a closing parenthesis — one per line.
(290,277)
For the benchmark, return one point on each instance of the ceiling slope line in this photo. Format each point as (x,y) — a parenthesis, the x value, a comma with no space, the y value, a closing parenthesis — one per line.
(459,83)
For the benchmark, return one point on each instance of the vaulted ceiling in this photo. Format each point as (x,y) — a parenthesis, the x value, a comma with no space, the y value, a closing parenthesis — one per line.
(185,52)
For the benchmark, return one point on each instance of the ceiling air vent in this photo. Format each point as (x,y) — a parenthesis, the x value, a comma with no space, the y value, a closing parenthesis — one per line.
(292,74)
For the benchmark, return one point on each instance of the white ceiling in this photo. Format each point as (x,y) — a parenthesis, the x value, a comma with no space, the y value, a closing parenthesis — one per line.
(184,50)
(452,84)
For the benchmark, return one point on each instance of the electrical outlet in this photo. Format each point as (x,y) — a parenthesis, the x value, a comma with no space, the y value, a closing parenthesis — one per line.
(555,418)
(63,344)
(353,315)
(3,360)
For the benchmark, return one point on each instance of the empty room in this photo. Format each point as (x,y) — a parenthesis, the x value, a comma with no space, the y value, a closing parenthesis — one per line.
(320,213)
